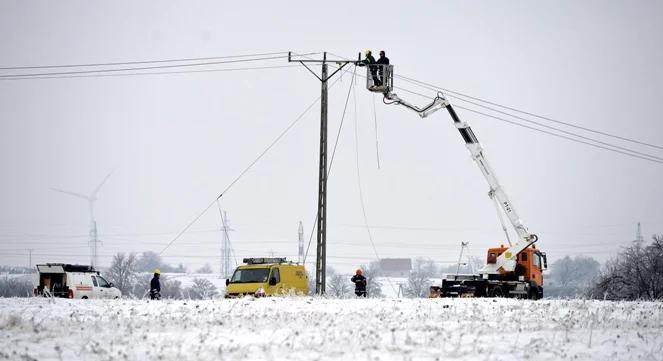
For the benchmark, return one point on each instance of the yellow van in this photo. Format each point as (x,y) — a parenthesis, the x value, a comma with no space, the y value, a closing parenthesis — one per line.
(267,277)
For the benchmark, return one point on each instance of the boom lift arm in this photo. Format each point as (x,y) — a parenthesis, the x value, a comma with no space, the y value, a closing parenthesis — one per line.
(507,260)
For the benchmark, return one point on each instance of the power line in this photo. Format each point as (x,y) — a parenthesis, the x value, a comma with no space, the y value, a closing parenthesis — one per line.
(438,88)
(629,152)
(626,151)
(653,159)
(560,130)
(138,62)
(361,191)
(151,73)
(10,76)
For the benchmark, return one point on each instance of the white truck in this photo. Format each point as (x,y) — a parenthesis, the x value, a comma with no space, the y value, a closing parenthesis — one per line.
(73,281)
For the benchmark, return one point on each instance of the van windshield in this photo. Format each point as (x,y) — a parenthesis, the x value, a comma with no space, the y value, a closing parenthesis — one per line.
(251,275)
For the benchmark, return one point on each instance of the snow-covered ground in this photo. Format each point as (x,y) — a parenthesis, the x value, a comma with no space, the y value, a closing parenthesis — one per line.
(330,329)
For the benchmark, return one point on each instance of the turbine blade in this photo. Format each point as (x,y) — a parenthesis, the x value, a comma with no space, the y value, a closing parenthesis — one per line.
(72,194)
(96,190)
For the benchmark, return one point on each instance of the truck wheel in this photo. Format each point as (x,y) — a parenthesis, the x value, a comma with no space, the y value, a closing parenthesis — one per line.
(496,292)
(84,297)
(533,293)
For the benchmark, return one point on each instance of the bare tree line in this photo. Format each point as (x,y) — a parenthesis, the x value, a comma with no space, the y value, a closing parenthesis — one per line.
(635,274)
(124,274)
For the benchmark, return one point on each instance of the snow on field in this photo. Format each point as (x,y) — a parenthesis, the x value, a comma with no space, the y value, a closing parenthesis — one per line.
(330,329)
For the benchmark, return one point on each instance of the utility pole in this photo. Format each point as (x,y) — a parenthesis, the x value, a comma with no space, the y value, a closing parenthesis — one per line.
(300,243)
(94,240)
(638,236)
(321,255)
(225,244)
(94,235)
(30,258)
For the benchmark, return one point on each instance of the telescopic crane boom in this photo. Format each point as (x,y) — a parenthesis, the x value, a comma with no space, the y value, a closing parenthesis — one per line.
(507,260)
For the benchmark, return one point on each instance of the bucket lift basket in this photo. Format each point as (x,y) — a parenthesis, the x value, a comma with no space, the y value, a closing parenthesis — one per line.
(380,78)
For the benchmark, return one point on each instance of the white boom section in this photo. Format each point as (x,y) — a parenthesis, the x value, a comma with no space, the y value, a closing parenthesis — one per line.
(507,260)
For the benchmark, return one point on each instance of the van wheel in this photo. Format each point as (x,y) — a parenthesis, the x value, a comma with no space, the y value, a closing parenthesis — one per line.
(84,297)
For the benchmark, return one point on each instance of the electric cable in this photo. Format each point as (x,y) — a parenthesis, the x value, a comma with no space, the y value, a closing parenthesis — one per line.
(281,135)
(340,127)
(331,160)
(654,159)
(625,151)
(140,61)
(151,73)
(29,75)
(375,122)
(561,130)
(359,187)
(648,157)
(437,88)
(553,128)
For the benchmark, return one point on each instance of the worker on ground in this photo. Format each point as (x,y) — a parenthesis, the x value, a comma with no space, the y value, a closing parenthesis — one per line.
(360,283)
(382,69)
(373,69)
(155,286)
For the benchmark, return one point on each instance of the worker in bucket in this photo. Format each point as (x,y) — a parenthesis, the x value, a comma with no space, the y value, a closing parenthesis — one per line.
(374,71)
(360,283)
(383,61)
(155,286)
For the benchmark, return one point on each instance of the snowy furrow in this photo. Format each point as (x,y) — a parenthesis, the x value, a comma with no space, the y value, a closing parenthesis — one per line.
(328,329)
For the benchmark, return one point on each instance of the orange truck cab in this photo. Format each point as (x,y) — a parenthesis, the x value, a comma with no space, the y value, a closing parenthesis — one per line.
(530,266)
(525,281)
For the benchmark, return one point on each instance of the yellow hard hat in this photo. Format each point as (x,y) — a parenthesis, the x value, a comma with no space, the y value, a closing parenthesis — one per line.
(157,271)
(367,52)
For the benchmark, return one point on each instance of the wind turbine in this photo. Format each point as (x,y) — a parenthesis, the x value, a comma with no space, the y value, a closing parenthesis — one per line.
(94,239)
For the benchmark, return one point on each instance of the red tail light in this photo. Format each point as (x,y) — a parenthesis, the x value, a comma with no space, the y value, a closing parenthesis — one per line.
(70,293)
(35,292)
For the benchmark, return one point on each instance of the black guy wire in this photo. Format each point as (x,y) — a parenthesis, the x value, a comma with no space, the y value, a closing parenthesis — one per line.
(331,160)
(283,133)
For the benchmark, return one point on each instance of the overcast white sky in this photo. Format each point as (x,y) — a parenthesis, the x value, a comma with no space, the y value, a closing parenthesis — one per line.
(175,141)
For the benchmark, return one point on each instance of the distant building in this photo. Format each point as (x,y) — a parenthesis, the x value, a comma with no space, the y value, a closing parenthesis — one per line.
(396,267)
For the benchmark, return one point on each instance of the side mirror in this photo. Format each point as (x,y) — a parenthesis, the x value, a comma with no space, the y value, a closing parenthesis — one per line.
(227,282)
(272,281)
(111,285)
(545,261)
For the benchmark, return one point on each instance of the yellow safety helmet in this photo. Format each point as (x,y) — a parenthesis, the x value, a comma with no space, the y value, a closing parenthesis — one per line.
(367,52)
(157,271)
